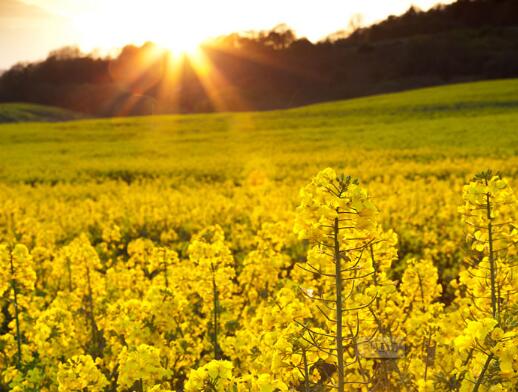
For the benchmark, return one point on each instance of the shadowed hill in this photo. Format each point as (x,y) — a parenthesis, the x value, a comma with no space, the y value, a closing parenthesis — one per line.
(24,112)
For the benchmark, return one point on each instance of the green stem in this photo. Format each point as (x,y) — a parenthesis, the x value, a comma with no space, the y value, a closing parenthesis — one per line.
(357,356)
(374,266)
(215,313)
(421,291)
(306,371)
(339,310)
(492,264)
(69,270)
(376,283)
(16,314)
(165,271)
(482,373)
(427,355)
(93,324)
(463,374)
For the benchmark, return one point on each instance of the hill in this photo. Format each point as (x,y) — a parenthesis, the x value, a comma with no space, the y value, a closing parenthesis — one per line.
(452,127)
(24,112)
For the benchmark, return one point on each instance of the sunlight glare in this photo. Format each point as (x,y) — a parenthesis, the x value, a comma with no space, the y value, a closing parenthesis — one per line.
(117,23)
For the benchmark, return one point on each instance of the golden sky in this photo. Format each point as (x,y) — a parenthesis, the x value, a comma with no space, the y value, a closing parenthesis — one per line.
(29,29)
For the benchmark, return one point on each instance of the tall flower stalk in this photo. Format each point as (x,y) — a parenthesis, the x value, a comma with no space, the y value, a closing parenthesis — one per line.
(214,272)
(488,213)
(338,218)
(17,278)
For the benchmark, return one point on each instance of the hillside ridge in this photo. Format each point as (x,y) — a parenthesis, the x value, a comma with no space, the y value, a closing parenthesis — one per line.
(28,112)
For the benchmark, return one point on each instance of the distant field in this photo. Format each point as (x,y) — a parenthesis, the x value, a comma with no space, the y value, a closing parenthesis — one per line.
(478,119)
(28,112)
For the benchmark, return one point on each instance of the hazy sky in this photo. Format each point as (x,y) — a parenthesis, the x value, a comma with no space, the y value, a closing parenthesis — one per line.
(29,29)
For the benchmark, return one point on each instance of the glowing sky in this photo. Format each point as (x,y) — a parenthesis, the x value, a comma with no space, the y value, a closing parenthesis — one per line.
(29,29)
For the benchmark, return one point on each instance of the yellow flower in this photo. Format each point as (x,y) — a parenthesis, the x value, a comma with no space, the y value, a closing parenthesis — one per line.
(142,363)
(80,374)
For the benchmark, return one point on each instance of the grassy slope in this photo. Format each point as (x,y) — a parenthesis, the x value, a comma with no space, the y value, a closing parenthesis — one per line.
(27,112)
(443,124)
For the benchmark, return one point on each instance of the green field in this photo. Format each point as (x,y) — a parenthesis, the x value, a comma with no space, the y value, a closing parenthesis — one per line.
(433,124)
(28,112)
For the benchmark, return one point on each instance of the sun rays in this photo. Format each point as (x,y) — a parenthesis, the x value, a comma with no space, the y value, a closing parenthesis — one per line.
(159,79)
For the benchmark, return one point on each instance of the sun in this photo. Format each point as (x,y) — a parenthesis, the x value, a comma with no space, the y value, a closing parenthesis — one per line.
(185,46)
(116,23)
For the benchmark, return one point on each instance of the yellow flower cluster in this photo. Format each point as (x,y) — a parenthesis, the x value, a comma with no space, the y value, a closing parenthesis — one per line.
(216,376)
(141,366)
(228,286)
(80,373)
